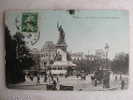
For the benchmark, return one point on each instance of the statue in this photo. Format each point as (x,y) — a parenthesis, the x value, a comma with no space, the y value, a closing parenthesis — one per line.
(62,34)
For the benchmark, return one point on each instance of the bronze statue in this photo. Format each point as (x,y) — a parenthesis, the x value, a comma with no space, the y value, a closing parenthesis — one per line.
(62,34)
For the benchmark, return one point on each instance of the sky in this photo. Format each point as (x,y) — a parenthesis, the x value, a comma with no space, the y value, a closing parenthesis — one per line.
(84,31)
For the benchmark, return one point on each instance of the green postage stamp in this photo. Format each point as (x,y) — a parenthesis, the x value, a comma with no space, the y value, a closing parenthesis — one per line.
(30,22)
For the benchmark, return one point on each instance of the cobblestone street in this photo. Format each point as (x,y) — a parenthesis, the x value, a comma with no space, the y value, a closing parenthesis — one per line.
(77,83)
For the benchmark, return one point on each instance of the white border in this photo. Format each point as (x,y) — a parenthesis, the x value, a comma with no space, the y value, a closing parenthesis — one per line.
(6,94)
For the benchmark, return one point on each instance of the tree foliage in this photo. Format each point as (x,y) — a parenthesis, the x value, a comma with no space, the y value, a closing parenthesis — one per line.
(86,65)
(23,55)
(120,63)
(17,57)
(13,72)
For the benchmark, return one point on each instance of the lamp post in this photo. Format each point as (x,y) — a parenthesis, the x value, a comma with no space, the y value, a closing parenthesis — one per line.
(106,54)
(106,83)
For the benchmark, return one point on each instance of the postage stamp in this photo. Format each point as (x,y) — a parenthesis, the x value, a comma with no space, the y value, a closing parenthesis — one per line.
(29,22)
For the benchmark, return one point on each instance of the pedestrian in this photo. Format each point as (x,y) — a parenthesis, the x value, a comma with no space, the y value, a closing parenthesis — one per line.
(31,77)
(35,79)
(26,77)
(54,85)
(45,77)
(104,83)
(120,77)
(58,83)
(38,79)
(95,82)
(57,79)
(116,77)
(122,84)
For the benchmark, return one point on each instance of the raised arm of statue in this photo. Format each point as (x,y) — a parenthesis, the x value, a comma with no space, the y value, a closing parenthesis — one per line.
(61,31)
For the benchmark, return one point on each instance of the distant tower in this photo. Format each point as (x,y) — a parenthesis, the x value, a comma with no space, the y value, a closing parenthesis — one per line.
(61,41)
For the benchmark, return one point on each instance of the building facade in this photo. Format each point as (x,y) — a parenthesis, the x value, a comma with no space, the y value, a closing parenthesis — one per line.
(47,54)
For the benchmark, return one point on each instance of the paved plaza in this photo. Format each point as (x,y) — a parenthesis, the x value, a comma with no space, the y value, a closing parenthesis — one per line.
(77,83)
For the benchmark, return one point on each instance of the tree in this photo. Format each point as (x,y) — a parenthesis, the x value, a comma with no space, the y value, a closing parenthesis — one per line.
(17,57)
(23,56)
(86,65)
(120,63)
(13,72)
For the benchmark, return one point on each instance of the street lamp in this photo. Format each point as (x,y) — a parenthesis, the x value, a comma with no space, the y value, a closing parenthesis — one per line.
(106,54)
(106,79)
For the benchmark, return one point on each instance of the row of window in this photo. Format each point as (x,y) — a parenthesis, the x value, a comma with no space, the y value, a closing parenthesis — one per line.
(48,55)
(57,68)
(90,59)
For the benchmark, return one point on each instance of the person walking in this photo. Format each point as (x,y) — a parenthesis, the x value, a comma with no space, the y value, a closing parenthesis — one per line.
(58,83)
(45,77)
(38,79)
(93,80)
(54,84)
(115,77)
(122,84)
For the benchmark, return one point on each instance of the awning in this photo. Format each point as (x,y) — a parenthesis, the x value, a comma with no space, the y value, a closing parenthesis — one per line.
(58,71)
(63,63)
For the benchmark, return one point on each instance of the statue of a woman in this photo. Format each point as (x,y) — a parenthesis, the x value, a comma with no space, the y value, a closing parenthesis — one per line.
(62,34)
